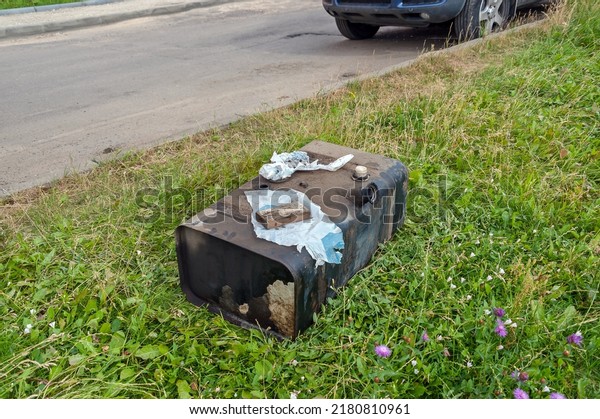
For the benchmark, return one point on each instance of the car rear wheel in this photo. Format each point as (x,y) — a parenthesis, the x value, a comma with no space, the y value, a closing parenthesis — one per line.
(355,31)
(482,17)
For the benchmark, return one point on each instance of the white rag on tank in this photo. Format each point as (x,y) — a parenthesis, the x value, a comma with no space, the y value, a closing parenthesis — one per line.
(321,237)
(283,165)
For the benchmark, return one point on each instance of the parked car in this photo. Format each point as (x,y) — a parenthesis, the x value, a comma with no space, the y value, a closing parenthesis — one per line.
(361,19)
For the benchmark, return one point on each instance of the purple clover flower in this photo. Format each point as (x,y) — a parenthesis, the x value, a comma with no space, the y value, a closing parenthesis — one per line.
(499,312)
(500,329)
(575,338)
(557,396)
(383,351)
(425,336)
(520,394)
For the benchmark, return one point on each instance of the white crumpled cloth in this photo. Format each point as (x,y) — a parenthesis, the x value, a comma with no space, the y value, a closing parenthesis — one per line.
(283,165)
(321,237)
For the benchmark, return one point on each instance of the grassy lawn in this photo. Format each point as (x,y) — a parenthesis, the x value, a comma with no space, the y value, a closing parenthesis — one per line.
(13,4)
(503,143)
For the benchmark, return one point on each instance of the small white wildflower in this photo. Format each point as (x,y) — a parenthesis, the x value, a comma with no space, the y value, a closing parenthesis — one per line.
(477,241)
(452,286)
(294,362)
(500,347)
(413,362)
(217,389)
(52,324)
(439,338)
(508,322)
(501,271)
(487,312)
(139,252)
(534,231)
(546,389)
(578,333)
(469,297)
(489,277)
(294,395)
(469,364)
(449,279)
(422,274)
(491,234)
(28,329)
(303,378)
(513,325)
(32,311)
(416,371)
(472,255)
(462,280)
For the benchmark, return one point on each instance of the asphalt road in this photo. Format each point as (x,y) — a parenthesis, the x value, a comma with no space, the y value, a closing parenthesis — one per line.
(69,100)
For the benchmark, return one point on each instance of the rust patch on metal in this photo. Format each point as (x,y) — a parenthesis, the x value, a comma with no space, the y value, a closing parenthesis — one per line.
(281,305)
(244,309)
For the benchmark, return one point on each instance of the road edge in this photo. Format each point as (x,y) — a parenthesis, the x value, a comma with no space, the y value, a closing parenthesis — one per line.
(104,19)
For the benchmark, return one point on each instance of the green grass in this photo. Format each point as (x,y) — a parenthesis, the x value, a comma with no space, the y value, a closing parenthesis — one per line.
(14,4)
(510,130)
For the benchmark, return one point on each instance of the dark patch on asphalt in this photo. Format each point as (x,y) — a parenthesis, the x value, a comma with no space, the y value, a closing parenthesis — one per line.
(297,35)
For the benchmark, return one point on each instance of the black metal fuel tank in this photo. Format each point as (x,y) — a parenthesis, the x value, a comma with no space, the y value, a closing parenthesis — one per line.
(257,283)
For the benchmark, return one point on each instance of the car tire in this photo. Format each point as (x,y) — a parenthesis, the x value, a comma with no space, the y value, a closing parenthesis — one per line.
(355,31)
(482,17)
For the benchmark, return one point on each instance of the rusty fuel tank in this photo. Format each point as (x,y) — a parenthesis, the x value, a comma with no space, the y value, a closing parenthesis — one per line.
(256,283)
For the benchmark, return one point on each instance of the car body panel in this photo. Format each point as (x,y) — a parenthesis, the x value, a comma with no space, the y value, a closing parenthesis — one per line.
(413,13)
